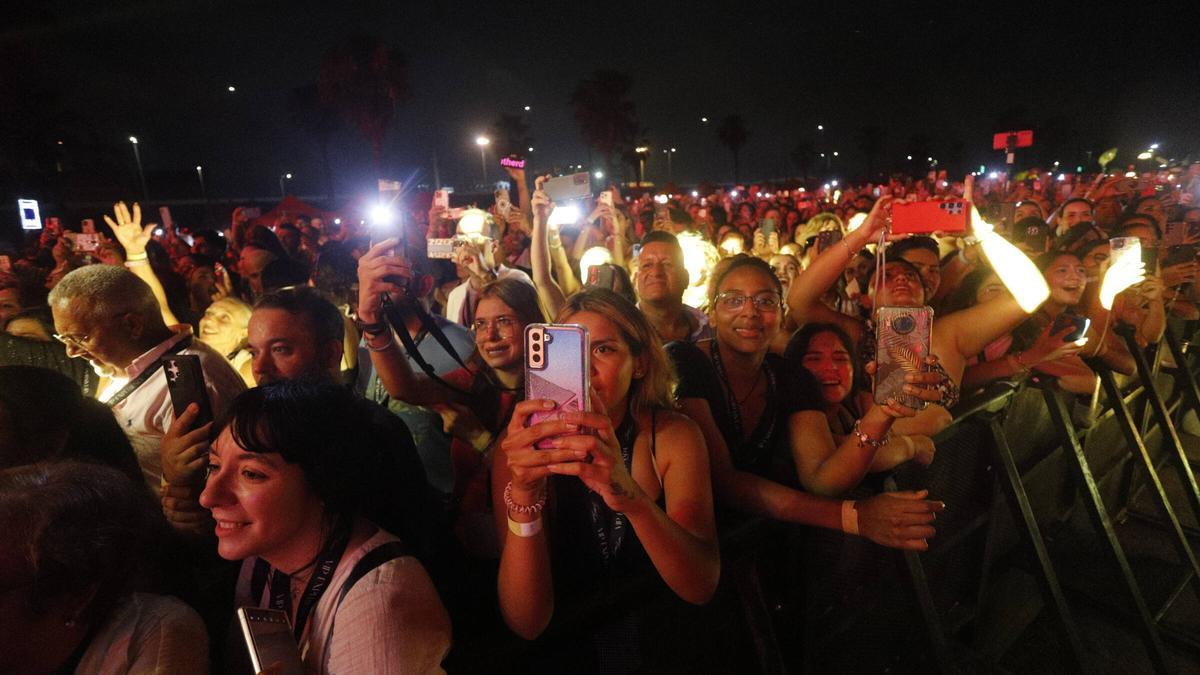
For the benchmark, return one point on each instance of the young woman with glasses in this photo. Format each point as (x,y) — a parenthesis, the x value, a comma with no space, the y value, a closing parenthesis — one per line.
(764,423)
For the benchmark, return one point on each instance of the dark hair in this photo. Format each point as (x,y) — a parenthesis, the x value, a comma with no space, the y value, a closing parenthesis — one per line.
(1045,260)
(737,262)
(283,273)
(80,528)
(963,295)
(214,240)
(262,237)
(1062,207)
(922,243)
(1080,235)
(323,319)
(663,237)
(797,346)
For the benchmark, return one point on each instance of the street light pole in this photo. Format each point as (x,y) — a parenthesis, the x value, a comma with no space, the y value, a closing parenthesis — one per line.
(200,175)
(483,142)
(282,190)
(137,157)
(669,153)
(641,151)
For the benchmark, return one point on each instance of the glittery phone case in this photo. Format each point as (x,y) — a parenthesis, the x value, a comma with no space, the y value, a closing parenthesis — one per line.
(557,367)
(902,336)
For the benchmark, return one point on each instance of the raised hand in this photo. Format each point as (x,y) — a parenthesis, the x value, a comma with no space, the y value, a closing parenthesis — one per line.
(375,268)
(605,473)
(128,228)
(184,450)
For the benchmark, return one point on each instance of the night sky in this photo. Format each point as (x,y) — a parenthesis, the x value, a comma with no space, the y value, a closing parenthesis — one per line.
(160,71)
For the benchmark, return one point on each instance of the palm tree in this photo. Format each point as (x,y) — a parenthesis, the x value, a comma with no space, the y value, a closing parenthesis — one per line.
(605,114)
(320,121)
(510,135)
(732,134)
(363,81)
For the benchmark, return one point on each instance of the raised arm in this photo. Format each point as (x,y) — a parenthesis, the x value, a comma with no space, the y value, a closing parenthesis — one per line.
(397,376)
(973,328)
(133,238)
(549,292)
(806,290)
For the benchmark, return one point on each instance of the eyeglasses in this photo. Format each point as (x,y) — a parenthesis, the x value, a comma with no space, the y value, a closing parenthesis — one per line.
(505,325)
(733,301)
(76,341)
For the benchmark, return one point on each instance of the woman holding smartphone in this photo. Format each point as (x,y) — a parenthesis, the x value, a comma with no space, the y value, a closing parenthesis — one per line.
(765,427)
(284,486)
(622,491)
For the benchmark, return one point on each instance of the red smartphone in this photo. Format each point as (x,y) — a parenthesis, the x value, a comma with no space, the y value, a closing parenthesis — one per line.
(951,215)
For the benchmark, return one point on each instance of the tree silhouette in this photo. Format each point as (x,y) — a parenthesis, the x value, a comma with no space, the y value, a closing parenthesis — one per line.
(510,135)
(870,140)
(363,81)
(606,116)
(803,156)
(732,134)
(319,121)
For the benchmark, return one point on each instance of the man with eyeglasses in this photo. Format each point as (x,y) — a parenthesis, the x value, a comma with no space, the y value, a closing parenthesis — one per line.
(660,281)
(109,316)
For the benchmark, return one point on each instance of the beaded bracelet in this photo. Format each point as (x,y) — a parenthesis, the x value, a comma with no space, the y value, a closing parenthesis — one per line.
(865,440)
(523,509)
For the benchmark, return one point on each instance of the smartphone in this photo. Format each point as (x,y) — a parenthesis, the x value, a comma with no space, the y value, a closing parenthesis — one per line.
(185,384)
(1079,324)
(768,226)
(268,635)
(441,198)
(950,215)
(601,275)
(1120,246)
(503,202)
(442,249)
(606,198)
(826,240)
(31,218)
(557,367)
(902,345)
(568,188)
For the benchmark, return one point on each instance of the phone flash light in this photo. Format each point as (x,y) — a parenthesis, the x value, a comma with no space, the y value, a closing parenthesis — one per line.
(695,194)
(596,255)
(733,193)
(472,222)
(381,214)
(563,215)
(337,221)
(661,199)
(158,232)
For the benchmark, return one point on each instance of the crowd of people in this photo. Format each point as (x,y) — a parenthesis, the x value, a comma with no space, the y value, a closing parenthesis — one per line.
(371,456)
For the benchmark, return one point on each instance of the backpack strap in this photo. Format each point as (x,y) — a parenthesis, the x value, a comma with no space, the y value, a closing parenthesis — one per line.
(373,559)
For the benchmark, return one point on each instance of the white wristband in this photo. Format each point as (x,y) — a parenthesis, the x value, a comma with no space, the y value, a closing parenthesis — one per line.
(849,518)
(529,529)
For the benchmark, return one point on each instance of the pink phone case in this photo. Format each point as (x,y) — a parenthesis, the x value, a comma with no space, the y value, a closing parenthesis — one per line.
(557,367)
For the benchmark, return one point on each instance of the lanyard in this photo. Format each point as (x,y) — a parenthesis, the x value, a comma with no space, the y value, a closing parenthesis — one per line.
(735,411)
(610,527)
(281,587)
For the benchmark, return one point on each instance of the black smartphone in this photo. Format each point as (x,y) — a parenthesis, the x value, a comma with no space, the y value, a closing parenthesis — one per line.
(1079,326)
(268,635)
(826,239)
(185,383)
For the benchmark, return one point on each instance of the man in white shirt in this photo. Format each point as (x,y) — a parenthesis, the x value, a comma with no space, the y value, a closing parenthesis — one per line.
(479,259)
(109,316)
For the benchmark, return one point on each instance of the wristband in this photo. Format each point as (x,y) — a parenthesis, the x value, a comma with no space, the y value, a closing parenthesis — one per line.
(136,257)
(137,262)
(370,328)
(525,530)
(391,343)
(849,517)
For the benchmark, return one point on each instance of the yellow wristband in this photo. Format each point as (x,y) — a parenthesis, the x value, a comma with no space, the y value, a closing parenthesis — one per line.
(525,530)
(849,518)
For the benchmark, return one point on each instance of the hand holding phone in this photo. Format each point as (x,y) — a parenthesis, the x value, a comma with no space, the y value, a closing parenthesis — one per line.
(902,344)
(557,368)
(268,636)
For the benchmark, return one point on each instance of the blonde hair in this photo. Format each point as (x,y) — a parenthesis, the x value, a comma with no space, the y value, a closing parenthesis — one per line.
(656,387)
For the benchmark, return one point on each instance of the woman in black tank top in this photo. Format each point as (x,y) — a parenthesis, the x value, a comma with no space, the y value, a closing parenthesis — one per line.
(624,489)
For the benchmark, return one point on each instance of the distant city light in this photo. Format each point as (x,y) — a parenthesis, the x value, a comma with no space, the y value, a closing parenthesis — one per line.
(833,183)
(733,193)
(482,141)
(287,176)
(1145,155)
(598,175)
(704,120)
(530,149)
(133,139)
(231,88)
(908,157)
(1154,146)
(695,194)
(993,175)
(820,127)
(835,153)
(199,168)
(60,142)
(527,108)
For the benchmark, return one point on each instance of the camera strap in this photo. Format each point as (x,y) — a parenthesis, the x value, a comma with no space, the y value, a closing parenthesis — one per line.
(281,587)
(396,319)
(374,558)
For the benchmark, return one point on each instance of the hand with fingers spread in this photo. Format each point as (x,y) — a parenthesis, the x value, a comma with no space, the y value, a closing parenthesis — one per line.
(128,229)
(184,450)
(378,271)
(899,519)
(1050,346)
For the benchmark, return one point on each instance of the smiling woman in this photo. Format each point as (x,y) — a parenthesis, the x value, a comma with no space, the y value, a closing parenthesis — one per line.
(289,488)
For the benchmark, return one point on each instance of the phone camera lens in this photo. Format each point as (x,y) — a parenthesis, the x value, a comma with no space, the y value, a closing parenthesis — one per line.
(537,346)
(904,324)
